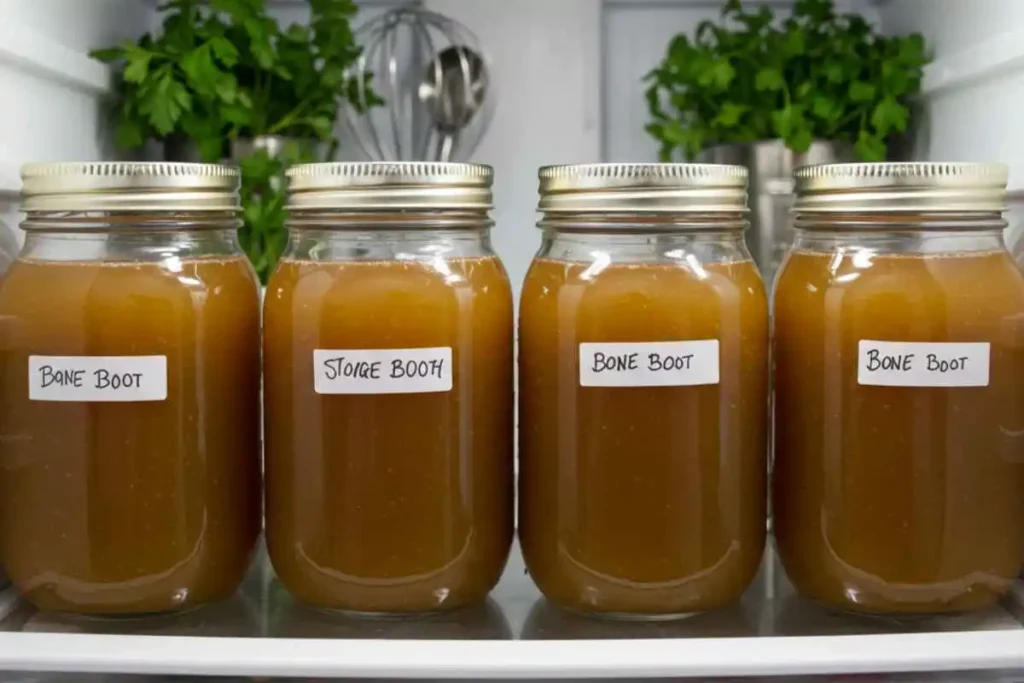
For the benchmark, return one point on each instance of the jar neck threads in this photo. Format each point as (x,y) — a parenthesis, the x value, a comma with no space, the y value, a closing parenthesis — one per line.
(129,221)
(381,221)
(642,223)
(900,222)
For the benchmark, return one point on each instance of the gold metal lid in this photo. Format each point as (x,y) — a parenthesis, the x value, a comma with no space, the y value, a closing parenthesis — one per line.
(129,186)
(391,186)
(643,188)
(921,187)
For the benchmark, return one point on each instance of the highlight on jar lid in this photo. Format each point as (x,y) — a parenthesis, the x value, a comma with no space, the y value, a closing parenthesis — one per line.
(129,187)
(900,187)
(390,186)
(643,188)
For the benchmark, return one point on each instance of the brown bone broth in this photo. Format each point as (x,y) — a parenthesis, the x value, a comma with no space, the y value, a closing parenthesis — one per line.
(389,502)
(898,498)
(134,506)
(642,499)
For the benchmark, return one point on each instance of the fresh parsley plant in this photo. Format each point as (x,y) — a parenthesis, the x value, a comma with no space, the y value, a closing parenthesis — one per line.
(225,69)
(815,75)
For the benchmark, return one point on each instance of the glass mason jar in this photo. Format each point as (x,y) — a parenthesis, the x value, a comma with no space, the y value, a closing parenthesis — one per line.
(129,375)
(899,404)
(643,347)
(388,390)
(1017,244)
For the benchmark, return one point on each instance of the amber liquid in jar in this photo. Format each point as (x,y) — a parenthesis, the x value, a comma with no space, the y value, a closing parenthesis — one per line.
(642,500)
(139,506)
(397,502)
(898,499)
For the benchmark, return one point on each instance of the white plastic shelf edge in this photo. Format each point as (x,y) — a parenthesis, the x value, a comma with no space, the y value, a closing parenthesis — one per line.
(33,52)
(419,659)
(997,55)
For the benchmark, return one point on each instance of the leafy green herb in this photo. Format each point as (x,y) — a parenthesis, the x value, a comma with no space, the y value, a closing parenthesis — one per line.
(815,75)
(263,202)
(220,70)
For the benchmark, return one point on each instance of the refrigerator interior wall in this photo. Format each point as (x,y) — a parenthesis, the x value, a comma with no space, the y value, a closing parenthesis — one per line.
(974,89)
(53,94)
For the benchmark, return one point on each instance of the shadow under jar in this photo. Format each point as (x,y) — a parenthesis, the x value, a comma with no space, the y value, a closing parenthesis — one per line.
(388,390)
(643,392)
(899,400)
(129,379)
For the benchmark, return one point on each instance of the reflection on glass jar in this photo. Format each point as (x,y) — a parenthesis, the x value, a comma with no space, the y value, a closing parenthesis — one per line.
(234,617)
(547,621)
(289,619)
(129,374)
(388,388)
(643,398)
(899,353)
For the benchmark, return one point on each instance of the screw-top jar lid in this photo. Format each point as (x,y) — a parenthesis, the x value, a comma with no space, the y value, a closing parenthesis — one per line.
(920,187)
(390,186)
(643,188)
(129,186)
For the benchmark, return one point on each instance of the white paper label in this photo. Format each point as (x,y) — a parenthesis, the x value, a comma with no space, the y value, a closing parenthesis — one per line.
(922,364)
(382,371)
(649,364)
(97,378)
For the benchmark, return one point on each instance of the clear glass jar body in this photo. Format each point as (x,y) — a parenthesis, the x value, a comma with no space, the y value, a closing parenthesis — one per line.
(1017,244)
(389,495)
(899,470)
(131,497)
(639,500)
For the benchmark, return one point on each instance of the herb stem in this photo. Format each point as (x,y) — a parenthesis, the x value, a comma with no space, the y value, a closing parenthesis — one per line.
(288,119)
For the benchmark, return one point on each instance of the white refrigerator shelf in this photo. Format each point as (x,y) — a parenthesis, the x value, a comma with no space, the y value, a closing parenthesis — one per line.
(262,632)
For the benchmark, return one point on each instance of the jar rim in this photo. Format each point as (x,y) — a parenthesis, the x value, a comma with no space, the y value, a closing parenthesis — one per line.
(653,188)
(901,187)
(390,186)
(137,187)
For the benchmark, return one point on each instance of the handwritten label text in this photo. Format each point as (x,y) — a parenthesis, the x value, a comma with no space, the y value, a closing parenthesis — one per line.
(97,378)
(922,364)
(649,364)
(382,371)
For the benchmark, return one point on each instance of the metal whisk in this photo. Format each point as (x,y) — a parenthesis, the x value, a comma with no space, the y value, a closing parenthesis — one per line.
(434,80)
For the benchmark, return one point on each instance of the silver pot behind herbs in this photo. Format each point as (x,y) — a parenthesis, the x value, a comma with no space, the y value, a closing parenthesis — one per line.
(771,165)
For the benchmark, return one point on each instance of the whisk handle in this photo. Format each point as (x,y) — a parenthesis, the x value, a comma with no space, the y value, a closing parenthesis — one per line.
(445,145)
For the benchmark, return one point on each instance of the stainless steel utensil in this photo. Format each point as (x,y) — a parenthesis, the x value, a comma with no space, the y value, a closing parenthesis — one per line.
(435,82)
(453,91)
